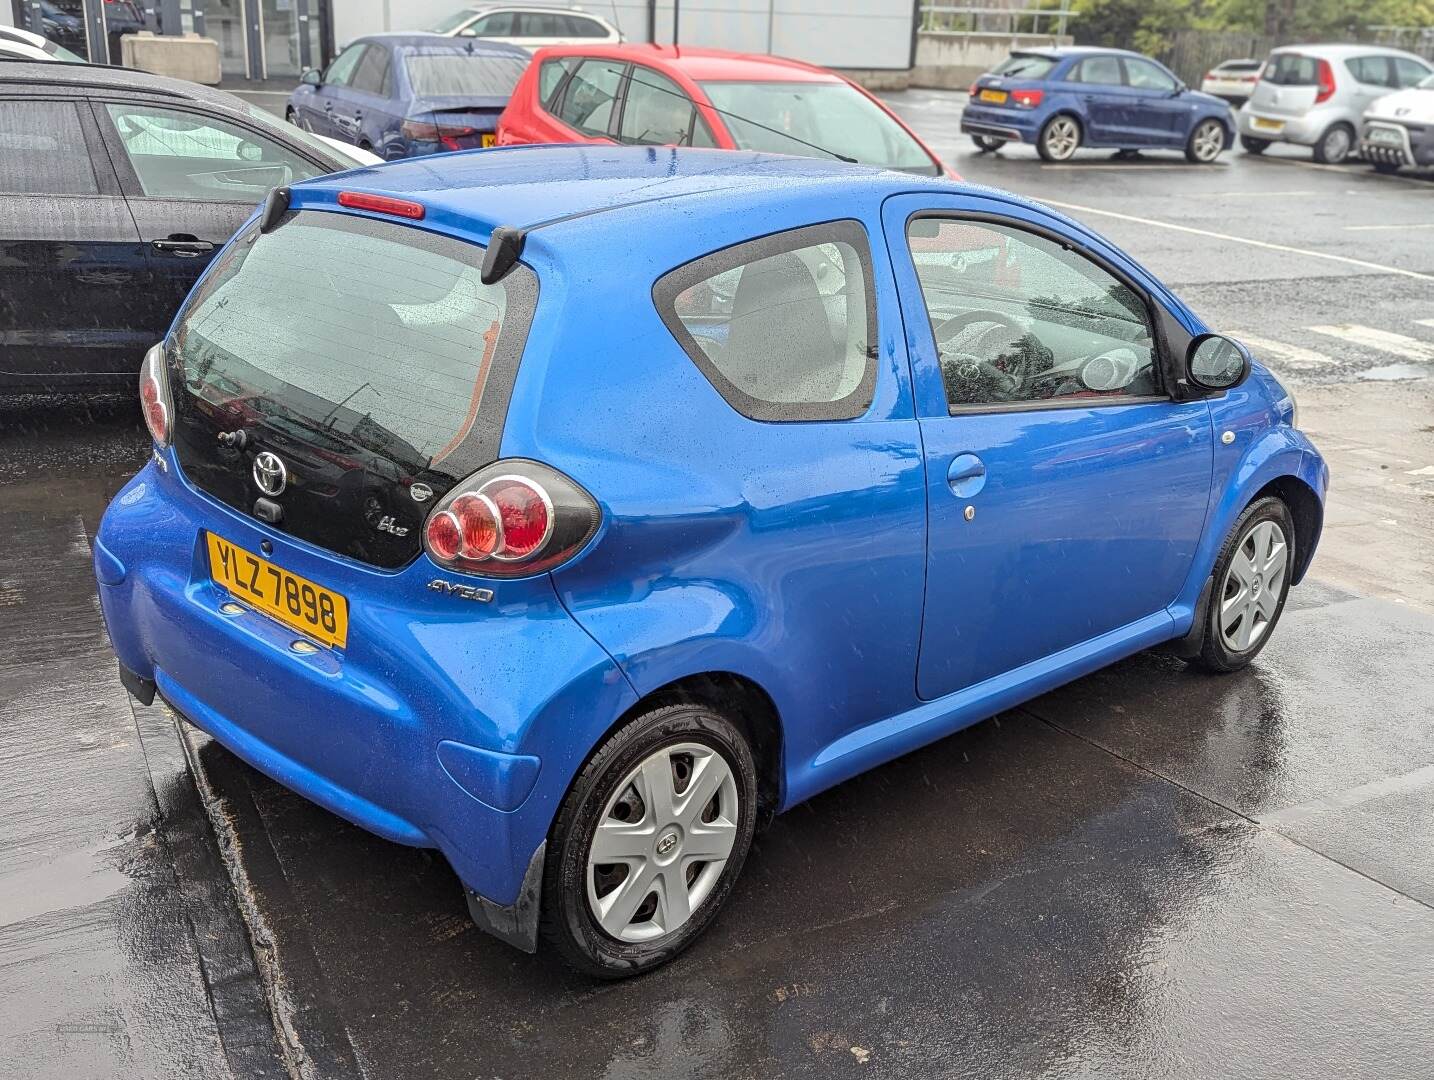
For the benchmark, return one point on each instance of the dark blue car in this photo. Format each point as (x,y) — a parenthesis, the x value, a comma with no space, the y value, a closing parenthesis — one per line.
(572,509)
(1064,98)
(403,95)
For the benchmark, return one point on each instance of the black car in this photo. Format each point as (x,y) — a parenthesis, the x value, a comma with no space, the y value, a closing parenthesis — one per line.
(116,189)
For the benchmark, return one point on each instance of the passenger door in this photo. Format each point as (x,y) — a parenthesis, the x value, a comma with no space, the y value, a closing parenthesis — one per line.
(1066,490)
(1098,85)
(367,114)
(73,300)
(192,179)
(1155,112)
(331,95)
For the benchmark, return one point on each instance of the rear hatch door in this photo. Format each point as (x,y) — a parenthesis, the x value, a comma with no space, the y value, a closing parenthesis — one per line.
(1288,86)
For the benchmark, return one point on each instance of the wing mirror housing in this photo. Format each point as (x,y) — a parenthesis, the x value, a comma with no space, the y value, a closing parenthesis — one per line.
(1216,363)
(311,77)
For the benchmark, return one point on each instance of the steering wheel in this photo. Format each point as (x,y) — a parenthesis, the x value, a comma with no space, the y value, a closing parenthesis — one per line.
(1002,377)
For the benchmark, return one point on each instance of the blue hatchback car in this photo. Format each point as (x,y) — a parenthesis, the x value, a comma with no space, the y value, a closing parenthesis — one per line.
(572,509)
(1061,99)
(404,95)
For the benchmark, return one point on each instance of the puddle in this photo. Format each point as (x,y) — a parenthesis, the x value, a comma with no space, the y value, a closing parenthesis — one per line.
(1396,372)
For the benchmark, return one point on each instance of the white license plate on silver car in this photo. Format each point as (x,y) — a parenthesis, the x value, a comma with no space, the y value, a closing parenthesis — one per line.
(1385,137)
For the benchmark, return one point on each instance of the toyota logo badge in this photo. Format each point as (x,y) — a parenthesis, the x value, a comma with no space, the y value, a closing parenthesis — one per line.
(270,475)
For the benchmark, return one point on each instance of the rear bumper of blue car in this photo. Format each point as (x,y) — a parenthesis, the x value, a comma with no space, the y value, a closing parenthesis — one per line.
(1012,125)
(437,725)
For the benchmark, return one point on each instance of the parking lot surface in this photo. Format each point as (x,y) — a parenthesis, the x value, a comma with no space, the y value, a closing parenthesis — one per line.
(1150,872)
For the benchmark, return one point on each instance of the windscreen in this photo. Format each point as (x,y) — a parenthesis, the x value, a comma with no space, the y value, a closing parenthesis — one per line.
(816,120)
(1292,69)
(462,74)
(363,353)
(1025,66)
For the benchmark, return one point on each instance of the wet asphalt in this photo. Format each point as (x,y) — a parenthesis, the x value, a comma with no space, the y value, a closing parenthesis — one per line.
(1148,873)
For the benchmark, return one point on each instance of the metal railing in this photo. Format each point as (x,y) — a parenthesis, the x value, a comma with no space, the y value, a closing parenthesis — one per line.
(1015,17)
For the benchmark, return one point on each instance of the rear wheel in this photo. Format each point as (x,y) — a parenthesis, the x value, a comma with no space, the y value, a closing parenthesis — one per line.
(649,841)
(1059,138)
(1335,145)
(1252,581)
(1205,142)
(1252,145)
(988,144)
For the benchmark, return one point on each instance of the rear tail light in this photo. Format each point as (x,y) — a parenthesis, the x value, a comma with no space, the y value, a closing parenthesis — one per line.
(1027,99)
(1326,81)
(154,398)
(445,135)
(510,519)
(974,87)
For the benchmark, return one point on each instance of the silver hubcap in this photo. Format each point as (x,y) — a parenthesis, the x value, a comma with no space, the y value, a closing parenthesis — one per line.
(1062,137)
(1209,140)
(662,841)
(1253,586)
(1336,145)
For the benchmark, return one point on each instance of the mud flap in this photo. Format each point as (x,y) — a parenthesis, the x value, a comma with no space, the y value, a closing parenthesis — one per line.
(516,923)
(1189,645)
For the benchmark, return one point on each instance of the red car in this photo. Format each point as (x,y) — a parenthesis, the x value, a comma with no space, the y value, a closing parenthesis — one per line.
(666,95)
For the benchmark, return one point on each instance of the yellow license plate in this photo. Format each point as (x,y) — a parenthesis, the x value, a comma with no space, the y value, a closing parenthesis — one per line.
(487,139)
(1267,125)
(995,97)
(296,602)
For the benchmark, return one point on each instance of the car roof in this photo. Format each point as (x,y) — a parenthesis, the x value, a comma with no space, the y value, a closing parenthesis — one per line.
(104,77)
(625,188)
(716,65)
(1057,52)
(1341,51)
(413,39)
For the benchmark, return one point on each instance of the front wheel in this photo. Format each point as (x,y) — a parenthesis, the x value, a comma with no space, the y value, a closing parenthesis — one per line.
(1251,582)
(1205,142)
(988,144)
(649,841)
(1059,139)
(1252,145)
(1335,145)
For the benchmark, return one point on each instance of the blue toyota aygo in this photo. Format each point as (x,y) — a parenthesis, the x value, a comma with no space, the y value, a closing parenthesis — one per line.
(572,510)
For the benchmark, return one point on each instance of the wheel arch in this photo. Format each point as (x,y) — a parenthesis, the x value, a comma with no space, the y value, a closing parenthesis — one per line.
(1307,512)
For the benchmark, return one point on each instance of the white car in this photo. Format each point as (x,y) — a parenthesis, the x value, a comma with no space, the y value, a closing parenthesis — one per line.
(1315,96)
(530,27)
(1399,129)
(17,44)
(1232,80)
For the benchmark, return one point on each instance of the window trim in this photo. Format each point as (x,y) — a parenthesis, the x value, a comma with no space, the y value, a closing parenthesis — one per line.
(849,231)
(1162,322)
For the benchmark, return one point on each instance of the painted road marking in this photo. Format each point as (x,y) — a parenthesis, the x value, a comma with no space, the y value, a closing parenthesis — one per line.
(1249,194)
(1355,796)
(1125,168)
(1424,322)
(1378,267)
(1296,357)
(1407,348)
(1428,470)
(1390,228)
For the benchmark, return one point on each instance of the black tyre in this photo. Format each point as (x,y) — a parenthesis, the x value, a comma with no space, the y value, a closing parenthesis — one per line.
(988,144)
(1251,583)
(649,841)
(1251,145)
(1206,142)
(1336,145)
(1059,139)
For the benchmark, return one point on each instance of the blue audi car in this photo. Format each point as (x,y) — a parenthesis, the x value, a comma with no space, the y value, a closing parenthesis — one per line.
(405,95)
(573,509)
(1062,99)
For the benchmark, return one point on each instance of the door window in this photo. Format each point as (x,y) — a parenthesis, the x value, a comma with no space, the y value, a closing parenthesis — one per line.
(1371,70)
(550,77)
(499,24)
(575,26)
(1019,318)
(1409,72)
(587,104)
(656,111)
(535,24)
(372,75)
(1143,75)
(783,327)
(185,155)
(42,150)
(1101,70)
(341,71)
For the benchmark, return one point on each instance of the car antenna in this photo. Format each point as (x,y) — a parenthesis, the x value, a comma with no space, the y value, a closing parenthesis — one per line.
(616,21)
(746,120)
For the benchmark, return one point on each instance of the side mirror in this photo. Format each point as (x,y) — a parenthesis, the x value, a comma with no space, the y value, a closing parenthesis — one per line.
(1215,362)
(311,77)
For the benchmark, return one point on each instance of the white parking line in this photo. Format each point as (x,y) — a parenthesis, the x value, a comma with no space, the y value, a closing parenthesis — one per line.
(1250,194)
(1292,355)
(1406,348)
(1126,167)
(1390,228)
(1378,267)
(1424,322)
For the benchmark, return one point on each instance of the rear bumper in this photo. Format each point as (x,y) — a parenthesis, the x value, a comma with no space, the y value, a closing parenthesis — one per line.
(439,725)
(1008,124)
(1303,130)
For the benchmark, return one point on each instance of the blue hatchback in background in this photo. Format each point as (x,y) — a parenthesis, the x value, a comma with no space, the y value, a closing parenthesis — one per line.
(572,509)
(403,95)
(1062,99)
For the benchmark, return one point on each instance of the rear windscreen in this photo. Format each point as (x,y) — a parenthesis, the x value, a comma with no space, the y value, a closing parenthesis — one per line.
(1025,66)
(458,74)
(344,330)
(1291,69)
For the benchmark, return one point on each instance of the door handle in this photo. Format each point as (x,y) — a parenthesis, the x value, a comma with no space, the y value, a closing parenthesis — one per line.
(185,249)
(966,475)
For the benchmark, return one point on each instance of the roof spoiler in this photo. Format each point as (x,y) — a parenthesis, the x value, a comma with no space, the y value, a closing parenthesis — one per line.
(504,248)
(276,205)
